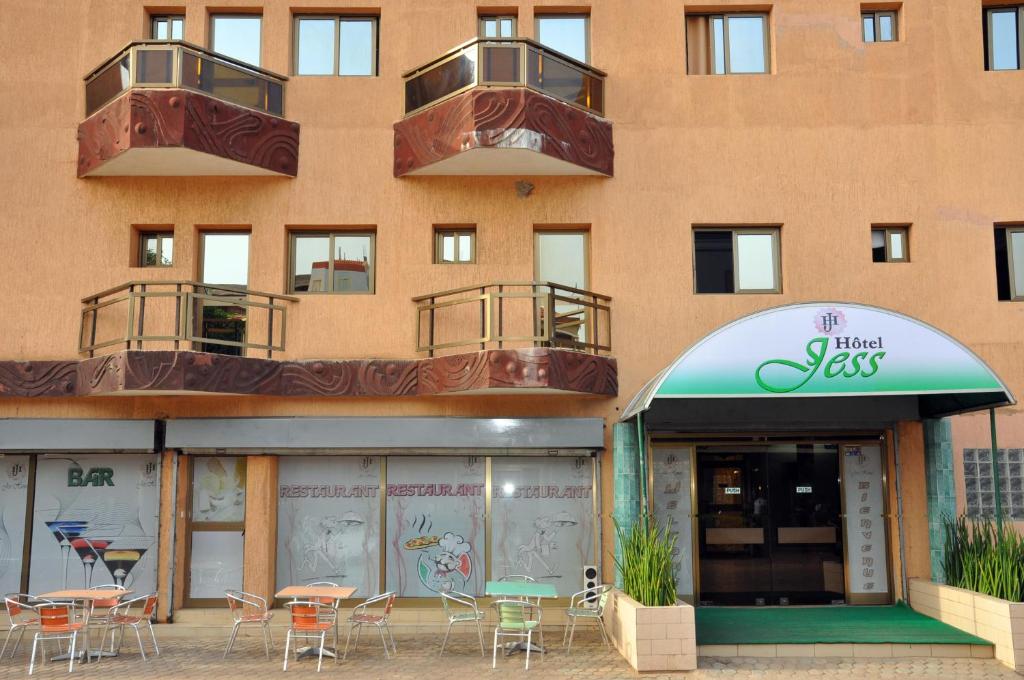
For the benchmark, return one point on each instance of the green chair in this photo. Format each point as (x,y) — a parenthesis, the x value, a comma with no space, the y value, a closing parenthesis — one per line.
(587,604)
(517,619)
(461,608)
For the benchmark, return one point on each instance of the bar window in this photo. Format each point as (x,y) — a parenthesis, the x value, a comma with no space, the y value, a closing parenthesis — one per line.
(1010,262)
(492,26)
(156,249)
(889,244)
(1003,38)
(340,262)
(336,45)
(454,245)
(718,44)
(566,33)
(879,26)
(237,35)
(736,260)
(167,27)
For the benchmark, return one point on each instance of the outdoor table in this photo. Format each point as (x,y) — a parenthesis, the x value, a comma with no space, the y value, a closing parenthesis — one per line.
(84,596)
(519,589)
(297,593)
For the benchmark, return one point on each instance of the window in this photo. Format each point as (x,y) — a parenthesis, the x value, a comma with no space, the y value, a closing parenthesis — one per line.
(566,33)
(236,35)
(339,262)
(1003,38)
(562,257)
(726,43)
(167,27)
(224,258)
(454,245)
(216,528)
(344,46)
(879,26)
(736,261)
(156,249)
(979,482)
(1010,262)
(889,244)
(497,26)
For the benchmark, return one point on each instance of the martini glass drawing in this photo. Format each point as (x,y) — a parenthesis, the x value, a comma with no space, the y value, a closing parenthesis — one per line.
(121,561)
(66,531)
(89,550)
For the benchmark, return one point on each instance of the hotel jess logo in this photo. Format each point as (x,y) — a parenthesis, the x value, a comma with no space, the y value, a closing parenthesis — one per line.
(832,353)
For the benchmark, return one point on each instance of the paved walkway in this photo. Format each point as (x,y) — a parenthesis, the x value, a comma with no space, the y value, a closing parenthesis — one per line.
(417,660)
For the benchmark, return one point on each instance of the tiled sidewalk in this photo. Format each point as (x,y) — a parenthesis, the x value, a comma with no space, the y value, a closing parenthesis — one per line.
(418,660)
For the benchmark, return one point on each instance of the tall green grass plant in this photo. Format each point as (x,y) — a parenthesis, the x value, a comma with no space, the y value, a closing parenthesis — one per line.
(648,575)
(984,557)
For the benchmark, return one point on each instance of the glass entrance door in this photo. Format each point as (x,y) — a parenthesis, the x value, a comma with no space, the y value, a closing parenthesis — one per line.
(769,525)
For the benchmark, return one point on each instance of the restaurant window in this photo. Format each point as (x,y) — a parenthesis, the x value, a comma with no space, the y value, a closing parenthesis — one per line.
(743,260)
(14,483)
(454,245)
(338,262)
(237,35)
(493,26)
(435,525)
(565,33)
(542,513)
(156,249)
(95,522)
(889,244)
(879,26)
(1010,262)
(328,521)
(216,528)
(336,45)
(980,485)
(167,27)
(718,44)
(1003,38)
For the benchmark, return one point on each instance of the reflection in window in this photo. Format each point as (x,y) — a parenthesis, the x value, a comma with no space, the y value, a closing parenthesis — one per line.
(344,46)
(332,263)
(237,35)
(497,26)
(879,26)
(736,260)
(567,34)
(168,27)
(156,249)
(220,318)
(727,43)
(225,258)
(889,244)
(454,246)
(1003,36)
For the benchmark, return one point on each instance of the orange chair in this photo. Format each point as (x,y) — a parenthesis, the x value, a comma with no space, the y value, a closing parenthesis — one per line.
(99,610)
(361,616)
(249,609)
(59,622)
(21,609)
(311,621)
(121,615)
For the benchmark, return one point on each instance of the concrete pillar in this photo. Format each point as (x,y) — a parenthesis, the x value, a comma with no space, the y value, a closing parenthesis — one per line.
(258,575)
(626,467)
(938,458)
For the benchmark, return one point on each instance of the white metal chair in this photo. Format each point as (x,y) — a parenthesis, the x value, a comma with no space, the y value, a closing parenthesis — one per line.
(516,619)
(60,622)
(23,614)
(520,578)
(587,604)
(361,616)
(121,615)
(310,621)
(99,610)
(249,609)
(331,602)
(462,608)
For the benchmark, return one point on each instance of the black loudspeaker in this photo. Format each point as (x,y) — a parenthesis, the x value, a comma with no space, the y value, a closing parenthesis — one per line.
(591,579)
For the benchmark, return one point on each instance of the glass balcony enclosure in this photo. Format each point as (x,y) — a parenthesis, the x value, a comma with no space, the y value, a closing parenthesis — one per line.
(505,62)
(177,64)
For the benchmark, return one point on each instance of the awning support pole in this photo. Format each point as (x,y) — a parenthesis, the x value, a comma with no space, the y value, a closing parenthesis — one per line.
(995,469)
(642,452)
(899,512)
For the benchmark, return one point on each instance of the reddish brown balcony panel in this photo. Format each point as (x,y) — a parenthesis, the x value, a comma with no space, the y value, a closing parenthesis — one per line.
(184,133)
(535,370)
(511,131)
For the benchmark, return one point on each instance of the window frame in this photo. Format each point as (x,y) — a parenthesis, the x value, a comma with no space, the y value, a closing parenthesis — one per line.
(160,236)
(498,18)
(212,39)
(566,15)
(1010,230)
(372,260)
(374,21)
(1003,9)
(887,232)
(875,16)
(192,525)
(440,232)
(169,18)
(736,231)
(725,16)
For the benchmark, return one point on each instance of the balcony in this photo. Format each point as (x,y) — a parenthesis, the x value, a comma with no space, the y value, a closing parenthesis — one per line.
(505,106)
(170,108)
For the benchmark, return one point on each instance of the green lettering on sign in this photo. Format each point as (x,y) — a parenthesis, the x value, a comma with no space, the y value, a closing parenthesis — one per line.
(94,477)
(835,367)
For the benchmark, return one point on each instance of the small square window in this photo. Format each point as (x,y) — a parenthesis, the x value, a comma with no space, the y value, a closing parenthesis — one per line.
(889,244)
(237,36)
(1003,36)
(326,262)
(495,26)
(741,260)
(156,249)
(879,26)
(454,245)
(336,45)
(565,33)
(719,44)
(167,27)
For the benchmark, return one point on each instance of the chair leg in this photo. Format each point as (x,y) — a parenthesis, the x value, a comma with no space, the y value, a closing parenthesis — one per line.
(231,640)
(32,661)
(138,636)
(348,639)
(7,639)
(480,632)
(266,645)
(287,646)
(391,636)
(494,655)
(540,629)
(18,643)
(152,634)
(387,652)
(572,632)
(320,656)
(604,632)
(529,636)
(71,659)
(446,634)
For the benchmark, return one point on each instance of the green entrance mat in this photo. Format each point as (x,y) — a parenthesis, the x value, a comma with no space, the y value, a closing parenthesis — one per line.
(807,625)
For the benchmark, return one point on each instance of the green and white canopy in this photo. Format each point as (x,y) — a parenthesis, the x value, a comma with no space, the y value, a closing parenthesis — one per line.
(829,349)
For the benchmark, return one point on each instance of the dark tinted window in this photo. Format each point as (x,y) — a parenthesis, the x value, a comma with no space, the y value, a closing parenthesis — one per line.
(713,261)
(1002,266)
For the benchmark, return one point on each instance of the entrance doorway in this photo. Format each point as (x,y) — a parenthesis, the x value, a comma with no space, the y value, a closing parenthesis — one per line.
(770,524)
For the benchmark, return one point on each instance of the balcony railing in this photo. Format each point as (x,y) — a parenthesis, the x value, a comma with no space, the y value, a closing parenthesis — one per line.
(505,62)
(175,315)
(511,314)
(177,64)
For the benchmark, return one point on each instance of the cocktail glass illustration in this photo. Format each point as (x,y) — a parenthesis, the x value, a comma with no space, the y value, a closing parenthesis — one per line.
(121,560)
(66,531)
(89,550)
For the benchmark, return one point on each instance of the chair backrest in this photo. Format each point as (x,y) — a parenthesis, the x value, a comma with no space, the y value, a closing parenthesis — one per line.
(56,617)
(16,604)
(330,601)
(512,614)
(150,608)
(238,600)
(454,597)
(606,591)
(307,615)
(518,578)
(108,602)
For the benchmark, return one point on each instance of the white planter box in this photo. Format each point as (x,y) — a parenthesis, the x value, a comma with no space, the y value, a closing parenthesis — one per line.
(652,638)
(999,621)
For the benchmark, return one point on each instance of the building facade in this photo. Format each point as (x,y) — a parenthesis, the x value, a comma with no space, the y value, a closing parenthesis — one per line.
(426,293)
